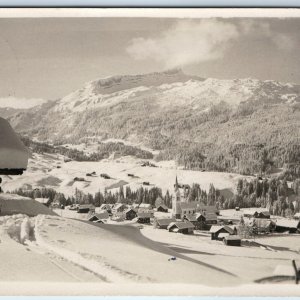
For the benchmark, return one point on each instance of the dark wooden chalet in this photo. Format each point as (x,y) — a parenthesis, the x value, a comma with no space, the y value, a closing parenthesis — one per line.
(130,214)
(144,217)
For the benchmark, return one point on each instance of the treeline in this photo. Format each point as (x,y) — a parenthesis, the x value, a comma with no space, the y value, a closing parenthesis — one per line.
(104,150)
(239,158)
(141,195)
(273,194)
(126,195)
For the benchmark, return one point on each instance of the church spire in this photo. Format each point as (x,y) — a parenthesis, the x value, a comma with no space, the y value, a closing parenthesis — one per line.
(176,184)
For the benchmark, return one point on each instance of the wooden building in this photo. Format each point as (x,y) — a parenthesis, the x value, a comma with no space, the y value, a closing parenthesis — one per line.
(162,208)
(99,216)
(181,227)
(220,232)
(85,208)
(232,240)
(287,225)
(144,217)
(163,223)
(130,214)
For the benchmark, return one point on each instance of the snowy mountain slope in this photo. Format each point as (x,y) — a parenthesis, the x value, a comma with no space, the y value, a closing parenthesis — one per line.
(174,89)
(153,108)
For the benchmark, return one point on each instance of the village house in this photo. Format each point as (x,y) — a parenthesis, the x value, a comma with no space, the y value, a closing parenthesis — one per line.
(144,217)
(145,206)
(264,225)
(232,240)
(163,223)
(219,232)
(188,208)
(211,219)
(45,201)
(99,217)
(119,207)
(85,208)
(262,214)
(103,207)
(207,209)
(181,227)
(162,208)
(287,225)
(191,218)
(130,214)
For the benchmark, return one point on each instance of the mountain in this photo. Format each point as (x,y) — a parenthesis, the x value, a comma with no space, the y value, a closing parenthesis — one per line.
(6,112)
(171,110)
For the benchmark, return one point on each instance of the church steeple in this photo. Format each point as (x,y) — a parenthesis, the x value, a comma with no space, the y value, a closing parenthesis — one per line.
(176,184)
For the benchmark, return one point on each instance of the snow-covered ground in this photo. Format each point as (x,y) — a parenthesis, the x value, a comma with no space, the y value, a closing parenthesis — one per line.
(51,171)
(61,249)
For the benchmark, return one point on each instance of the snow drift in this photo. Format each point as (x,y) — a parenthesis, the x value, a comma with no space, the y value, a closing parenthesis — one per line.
(13,204)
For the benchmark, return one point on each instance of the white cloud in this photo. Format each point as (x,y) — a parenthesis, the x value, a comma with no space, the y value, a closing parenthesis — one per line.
(23,103)
(193,41)
(187,42)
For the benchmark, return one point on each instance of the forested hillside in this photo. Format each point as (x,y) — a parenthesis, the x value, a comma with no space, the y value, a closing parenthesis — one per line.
(243,125)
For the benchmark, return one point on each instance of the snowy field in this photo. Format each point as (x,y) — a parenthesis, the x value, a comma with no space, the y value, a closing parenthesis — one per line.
(45,170)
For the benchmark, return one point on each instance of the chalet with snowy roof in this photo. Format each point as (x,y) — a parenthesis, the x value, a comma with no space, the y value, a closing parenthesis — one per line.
(219,232)
(119,207)
(13,154)
(232,240)
(264,225)
(257,213)
(163,223)
(45,201)
(162,208)
(103,207)
(181,227)
(144,217)
(85,208)
(130,214)
(287,225)
(145,206)
(96,217)
(207,209)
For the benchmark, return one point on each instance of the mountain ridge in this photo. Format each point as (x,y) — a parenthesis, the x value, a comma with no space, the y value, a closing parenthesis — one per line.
(193,114)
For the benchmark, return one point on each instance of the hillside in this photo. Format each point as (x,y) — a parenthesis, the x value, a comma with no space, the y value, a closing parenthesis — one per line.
(181,115)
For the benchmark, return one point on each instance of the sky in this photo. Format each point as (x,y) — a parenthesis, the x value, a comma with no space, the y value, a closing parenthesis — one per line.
(47,58)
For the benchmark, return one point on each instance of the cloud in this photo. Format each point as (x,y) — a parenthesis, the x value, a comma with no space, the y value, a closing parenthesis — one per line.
(22,103)
(281,41)
(187,42)
(193,41)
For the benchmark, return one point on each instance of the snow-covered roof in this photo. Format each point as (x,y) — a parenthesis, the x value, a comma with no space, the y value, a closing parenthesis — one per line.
(232,238)
(190,217)
(188,205)
(163,206)
(287,223)
(42,200)
(166,221)
(181,225)
(145,205)
(13,153)
(216,228)
(144,215)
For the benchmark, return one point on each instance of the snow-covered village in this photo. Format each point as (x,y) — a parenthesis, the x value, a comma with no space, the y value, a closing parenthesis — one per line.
(168,172)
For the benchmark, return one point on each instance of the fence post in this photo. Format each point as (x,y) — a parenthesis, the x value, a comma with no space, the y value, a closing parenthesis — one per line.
(297,272)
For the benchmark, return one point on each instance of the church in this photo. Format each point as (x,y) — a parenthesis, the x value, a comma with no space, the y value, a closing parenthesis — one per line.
(182,207)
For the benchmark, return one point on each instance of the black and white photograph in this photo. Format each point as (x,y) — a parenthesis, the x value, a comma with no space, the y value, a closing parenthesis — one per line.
(150,152)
